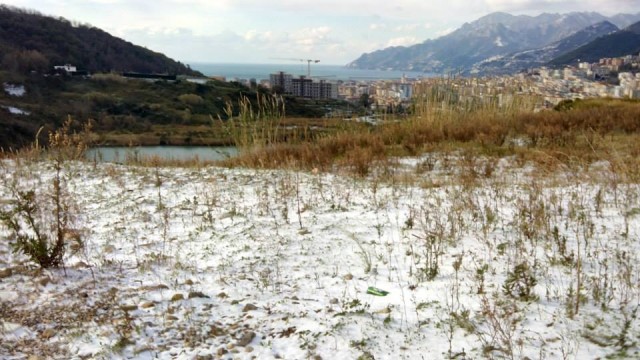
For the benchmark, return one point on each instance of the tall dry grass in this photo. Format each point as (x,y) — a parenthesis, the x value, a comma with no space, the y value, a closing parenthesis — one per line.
(252,126)
(446,121)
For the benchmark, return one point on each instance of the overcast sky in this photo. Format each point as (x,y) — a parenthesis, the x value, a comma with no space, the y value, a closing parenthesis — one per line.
(267,31)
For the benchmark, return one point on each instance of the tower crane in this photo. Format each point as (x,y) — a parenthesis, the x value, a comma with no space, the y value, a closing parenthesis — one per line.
(309,61)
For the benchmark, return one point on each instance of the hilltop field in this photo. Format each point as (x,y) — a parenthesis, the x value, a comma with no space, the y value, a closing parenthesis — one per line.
(477,235)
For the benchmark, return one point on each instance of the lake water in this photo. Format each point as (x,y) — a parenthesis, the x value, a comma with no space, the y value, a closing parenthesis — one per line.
(328,72)
(122,154)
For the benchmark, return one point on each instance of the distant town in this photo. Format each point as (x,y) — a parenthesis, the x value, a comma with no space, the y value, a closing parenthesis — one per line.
(609,77)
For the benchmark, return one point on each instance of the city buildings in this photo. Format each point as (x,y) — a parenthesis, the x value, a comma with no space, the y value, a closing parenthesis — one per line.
(303,86)
(611,77)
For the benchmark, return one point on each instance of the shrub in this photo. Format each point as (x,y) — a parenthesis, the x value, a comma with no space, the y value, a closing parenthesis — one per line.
(190,99)
(520,283)
(24,219)
(108,78)
(42,224)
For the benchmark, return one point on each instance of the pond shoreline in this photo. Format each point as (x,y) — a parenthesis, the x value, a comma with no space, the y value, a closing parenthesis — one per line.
(116,140)
(164,152)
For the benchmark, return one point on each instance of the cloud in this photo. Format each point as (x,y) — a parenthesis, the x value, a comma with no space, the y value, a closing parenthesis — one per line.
(403,41)
(258,36)
(105,1)
(233,46)
(377,26)
(400,9)
(445,31)
(407,27)
(534,7)
(308,39)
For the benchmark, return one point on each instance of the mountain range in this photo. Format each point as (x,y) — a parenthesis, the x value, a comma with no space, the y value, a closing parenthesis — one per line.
(513,62)
(619,43)
(499,43)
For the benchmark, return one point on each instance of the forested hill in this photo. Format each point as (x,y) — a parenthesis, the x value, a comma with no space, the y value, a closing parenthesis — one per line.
(32,41)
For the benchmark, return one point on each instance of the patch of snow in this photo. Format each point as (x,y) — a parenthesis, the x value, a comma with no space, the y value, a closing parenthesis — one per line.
(16,111)
(519,142)
(14,90)
(8,295)
(498,42)
(13,331)
(492,58)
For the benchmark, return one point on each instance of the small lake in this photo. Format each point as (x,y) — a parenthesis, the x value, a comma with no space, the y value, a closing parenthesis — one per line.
(121,154)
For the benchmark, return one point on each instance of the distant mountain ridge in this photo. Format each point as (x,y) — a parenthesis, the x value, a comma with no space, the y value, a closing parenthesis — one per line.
(515,62)
(489,38)
(56,41)
(620,43)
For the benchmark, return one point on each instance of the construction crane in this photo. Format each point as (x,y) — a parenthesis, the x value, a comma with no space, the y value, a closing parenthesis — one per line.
(309,61)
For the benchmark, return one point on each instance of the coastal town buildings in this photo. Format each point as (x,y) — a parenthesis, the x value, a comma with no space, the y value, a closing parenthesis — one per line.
(609,77)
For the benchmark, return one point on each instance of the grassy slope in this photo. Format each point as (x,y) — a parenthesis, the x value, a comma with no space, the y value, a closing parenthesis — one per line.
(130,111)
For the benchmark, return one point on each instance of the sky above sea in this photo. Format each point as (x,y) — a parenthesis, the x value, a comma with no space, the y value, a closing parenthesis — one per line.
(262,31)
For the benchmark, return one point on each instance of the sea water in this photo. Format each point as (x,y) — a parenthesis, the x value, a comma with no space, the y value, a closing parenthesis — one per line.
(322,71)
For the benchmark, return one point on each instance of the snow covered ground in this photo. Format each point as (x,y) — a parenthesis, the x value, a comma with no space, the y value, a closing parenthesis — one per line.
(200,263)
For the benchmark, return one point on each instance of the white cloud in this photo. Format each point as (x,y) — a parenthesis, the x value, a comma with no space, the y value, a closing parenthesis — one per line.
(534,7)
(407,27)
(403,41)
(445,31)
(310,37)
(377,26)
(259,36)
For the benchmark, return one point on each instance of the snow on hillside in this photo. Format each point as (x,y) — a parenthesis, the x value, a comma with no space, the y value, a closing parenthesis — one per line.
(16,111)
(14,90)
(231,263)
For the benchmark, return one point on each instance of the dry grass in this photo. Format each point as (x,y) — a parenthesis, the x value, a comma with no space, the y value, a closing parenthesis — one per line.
(355,151)
(444,122)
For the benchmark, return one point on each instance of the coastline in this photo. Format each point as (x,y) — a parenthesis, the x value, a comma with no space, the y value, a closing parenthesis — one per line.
(323,71)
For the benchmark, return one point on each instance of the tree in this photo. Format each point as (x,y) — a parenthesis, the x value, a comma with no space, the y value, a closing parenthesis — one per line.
(25,61)
(365,100)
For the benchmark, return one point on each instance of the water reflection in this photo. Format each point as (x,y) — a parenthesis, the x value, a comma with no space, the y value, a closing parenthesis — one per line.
(177,153)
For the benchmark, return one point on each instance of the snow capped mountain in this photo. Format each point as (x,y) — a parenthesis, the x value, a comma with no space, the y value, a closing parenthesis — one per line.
(495,35)
(514,62)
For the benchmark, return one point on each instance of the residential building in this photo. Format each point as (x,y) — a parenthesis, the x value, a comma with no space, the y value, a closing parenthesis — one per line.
(303,86)
(281,81)
(66,67)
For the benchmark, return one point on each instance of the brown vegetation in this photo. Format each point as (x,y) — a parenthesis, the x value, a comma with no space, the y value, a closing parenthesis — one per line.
(574,135)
